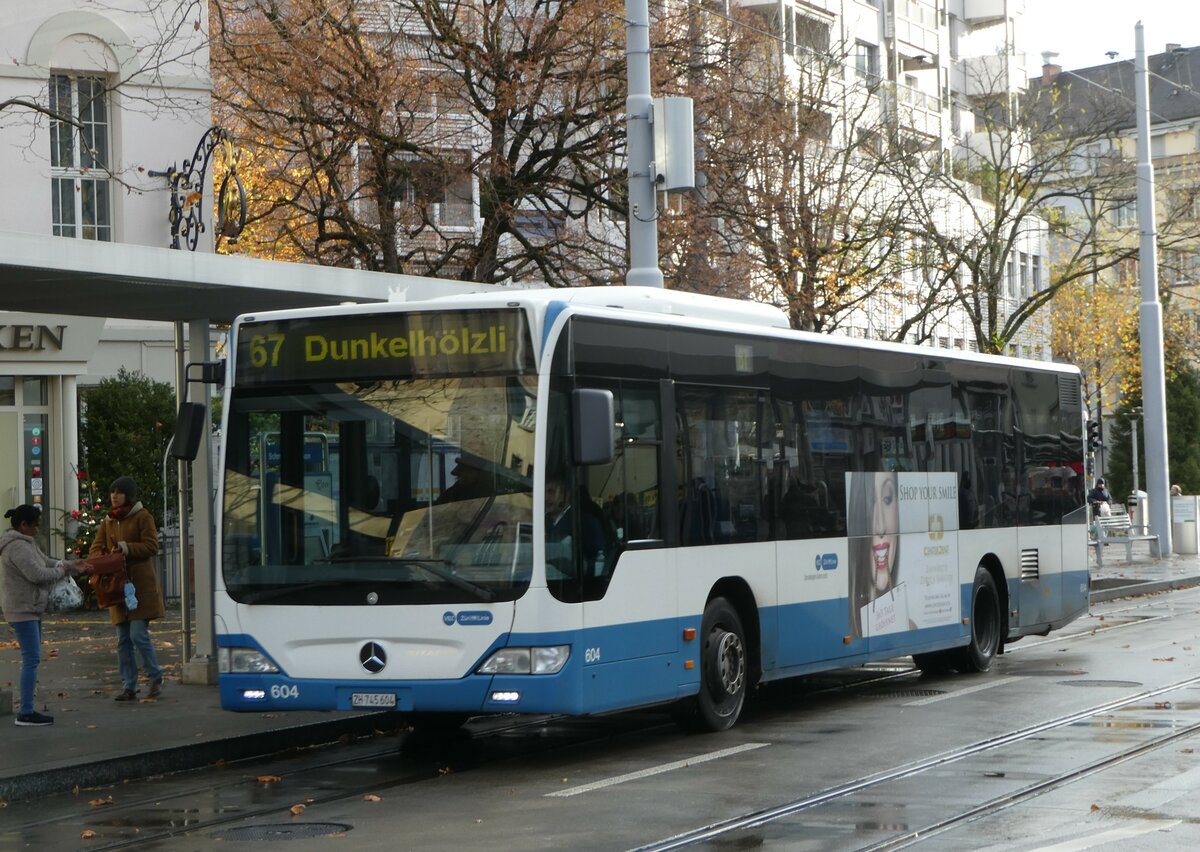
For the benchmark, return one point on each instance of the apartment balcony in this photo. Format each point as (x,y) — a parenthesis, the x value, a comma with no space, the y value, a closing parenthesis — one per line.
(989,75)
(914,26)
(917,111)
(977,12)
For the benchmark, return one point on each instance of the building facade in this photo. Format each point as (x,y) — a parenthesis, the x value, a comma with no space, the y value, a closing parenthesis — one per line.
(104,99)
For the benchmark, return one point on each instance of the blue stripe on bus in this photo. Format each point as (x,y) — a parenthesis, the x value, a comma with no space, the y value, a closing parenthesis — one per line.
(607,671)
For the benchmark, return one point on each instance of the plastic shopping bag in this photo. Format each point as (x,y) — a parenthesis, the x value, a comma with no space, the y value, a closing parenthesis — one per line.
(131,602)
(65,595)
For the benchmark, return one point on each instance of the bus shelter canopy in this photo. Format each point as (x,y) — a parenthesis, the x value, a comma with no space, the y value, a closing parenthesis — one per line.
(55,275)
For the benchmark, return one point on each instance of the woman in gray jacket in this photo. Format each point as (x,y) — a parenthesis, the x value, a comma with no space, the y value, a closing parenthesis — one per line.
(28,575)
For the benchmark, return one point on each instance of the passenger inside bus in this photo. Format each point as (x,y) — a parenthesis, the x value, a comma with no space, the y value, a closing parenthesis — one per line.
(470,481)
(560,529)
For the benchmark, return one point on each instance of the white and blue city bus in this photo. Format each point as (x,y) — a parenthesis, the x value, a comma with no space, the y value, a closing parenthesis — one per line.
(583,501)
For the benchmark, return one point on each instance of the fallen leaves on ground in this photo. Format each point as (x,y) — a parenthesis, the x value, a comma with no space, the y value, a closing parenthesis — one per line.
(96,803)
(371,797)
(268,779)
(87,834)
(1095,808)
(297,809)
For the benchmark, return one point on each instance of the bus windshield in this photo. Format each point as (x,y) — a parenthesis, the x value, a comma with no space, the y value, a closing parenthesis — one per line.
(393,491)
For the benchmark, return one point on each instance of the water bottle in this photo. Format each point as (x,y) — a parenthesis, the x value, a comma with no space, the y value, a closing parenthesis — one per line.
(131,601)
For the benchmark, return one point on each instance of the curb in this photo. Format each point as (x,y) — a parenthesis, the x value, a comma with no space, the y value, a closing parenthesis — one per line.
(112,770)
(1136,588)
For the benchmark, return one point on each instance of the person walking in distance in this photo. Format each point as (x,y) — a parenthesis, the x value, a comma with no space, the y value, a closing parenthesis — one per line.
(28,575)
(128,528)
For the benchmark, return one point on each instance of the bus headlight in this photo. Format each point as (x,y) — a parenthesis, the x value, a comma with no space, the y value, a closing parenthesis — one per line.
(546,659)
(244,661)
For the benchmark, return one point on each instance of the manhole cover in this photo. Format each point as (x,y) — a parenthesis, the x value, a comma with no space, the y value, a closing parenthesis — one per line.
(286,831)
(1118,683)
(1047,672)
(904,693)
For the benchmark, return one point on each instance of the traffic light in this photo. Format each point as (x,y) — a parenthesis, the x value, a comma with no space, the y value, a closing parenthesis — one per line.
(1093,436)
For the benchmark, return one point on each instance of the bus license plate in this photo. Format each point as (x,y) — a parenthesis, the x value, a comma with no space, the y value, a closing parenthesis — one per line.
(372,699)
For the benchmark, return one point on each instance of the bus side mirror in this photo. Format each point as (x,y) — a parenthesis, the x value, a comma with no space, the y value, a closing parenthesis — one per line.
(190,423)
(593,415)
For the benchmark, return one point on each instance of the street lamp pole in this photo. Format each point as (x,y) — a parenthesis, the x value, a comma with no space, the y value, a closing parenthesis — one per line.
(639,150)
(1154,390)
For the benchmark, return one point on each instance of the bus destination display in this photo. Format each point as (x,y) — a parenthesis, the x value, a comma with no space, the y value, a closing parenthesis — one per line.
(383,346)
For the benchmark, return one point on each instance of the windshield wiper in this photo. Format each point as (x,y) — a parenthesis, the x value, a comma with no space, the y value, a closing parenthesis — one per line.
(438,569)
(433,566)
(282,591)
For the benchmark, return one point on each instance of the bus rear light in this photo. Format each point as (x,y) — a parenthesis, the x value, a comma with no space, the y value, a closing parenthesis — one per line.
(244,661)
(546,659)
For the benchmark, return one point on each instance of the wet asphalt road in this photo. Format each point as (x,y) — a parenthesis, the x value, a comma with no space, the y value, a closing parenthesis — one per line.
(1100,753)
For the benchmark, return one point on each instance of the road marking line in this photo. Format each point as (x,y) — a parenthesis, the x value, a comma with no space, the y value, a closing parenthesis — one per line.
(1145,826)
(1164,791)
(655,770)
(997,682)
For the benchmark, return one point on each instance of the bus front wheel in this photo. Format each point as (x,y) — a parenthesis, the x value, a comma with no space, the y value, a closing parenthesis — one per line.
(723,669)
(985,625)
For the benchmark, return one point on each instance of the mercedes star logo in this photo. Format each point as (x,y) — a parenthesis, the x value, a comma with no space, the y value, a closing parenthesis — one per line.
(373,657)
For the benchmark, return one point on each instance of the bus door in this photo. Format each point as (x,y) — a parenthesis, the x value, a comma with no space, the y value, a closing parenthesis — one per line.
(629,590)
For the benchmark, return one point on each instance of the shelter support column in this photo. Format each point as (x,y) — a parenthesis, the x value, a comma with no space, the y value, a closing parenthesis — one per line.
(202,666)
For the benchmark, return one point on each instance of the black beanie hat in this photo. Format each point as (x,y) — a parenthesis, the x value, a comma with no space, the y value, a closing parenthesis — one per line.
(126,486)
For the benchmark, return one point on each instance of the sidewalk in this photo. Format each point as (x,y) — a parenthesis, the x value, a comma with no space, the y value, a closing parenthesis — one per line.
(96,741)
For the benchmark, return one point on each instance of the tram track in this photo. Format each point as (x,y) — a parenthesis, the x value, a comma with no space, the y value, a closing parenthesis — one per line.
(307,785)
(726,828)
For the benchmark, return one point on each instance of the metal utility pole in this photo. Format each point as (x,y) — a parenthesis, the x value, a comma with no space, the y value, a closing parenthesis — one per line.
(1134,457)
(1154,387)
(639,150)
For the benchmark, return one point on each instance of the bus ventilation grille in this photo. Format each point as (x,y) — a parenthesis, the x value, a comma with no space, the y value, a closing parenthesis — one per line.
(1068,393)
(1030,569)
(1029,564)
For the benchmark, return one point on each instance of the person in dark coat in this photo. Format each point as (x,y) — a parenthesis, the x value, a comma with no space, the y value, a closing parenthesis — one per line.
(28,575)
(129,528)
(1097,496)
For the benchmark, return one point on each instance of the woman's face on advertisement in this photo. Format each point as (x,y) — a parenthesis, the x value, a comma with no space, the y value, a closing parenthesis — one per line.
(885,523)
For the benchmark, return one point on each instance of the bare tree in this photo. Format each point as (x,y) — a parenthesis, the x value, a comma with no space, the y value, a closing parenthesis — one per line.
(799,206)
(375,152)
(1045,167)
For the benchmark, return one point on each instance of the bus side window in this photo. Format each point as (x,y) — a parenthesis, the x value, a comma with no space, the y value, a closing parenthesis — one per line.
(626,489)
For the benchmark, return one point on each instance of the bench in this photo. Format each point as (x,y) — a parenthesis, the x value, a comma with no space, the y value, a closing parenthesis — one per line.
(1116,529)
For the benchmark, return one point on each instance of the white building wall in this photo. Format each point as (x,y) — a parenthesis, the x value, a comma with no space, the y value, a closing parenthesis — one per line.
(158,110)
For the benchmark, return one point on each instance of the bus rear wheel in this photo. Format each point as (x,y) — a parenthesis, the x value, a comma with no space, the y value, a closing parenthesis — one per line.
(985,625)
(723,670)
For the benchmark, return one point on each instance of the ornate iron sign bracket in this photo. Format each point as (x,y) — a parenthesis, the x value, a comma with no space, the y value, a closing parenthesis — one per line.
(187,193)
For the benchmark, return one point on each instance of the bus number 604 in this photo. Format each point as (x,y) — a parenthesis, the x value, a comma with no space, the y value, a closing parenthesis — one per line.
(591,655)
(286,690)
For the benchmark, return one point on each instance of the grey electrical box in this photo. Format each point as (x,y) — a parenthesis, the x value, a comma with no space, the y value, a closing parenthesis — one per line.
(674,145)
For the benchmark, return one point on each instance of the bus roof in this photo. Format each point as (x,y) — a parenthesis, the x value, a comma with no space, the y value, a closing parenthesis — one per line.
(656,305)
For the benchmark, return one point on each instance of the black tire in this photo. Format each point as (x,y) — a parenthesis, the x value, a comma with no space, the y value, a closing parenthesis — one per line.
(724,668)
(986,627)
(935,662)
